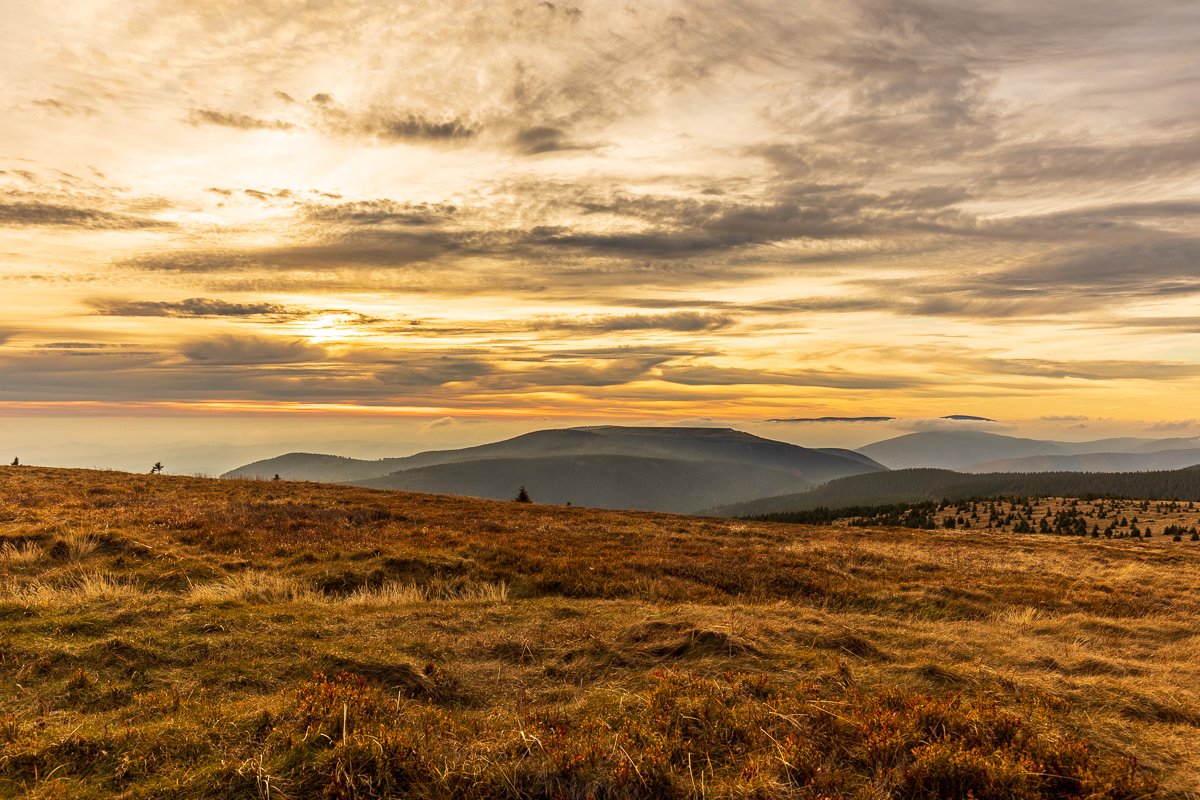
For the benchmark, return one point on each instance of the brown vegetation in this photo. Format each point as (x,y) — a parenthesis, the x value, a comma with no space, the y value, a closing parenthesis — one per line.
(196,638)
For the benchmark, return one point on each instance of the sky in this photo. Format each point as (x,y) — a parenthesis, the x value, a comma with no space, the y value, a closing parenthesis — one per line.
(379,223)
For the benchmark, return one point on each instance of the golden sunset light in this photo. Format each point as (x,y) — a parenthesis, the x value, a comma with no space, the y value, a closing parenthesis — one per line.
(596,211)
(600,400)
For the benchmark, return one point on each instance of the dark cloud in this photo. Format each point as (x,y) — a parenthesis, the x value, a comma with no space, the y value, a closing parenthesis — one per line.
(76,346)
(230,350)
(833,419)
(31,214)
(1150,325)
(570,369)
(678,241)
(257,194)
(191,307)
(208,116)
(388,124)
(1046,163)
(428,371)
(500,372)
(1110,370)
(65,108)
(1117,223)
(702,375)
(973,303)
(1160,266)
(1174,425)
(545,139)
(379,212)
(673,226)
(413,126)
(685,321)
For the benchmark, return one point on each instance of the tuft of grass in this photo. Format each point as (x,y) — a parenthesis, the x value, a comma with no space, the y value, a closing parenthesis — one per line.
(264,588)
(87,587)
(254,586)
(74,545)
(1018,617)
(20,552)
(398,594)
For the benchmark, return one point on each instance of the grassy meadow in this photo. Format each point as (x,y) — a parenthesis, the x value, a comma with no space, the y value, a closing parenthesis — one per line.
(187,637)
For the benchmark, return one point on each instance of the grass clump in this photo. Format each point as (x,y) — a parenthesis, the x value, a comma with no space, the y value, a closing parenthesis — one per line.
(75,590)
(19,552)
(254,586)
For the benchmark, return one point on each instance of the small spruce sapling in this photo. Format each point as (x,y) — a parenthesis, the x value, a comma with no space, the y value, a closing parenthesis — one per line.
(157,468)
(522,496)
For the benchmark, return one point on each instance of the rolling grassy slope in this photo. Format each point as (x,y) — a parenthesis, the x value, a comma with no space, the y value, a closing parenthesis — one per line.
(184,638)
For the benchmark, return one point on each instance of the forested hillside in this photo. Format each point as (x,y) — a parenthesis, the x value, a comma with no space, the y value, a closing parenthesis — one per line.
(912,485)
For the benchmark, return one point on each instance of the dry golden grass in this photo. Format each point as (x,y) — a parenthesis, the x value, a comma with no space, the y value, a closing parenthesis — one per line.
(159,638)
(255,586)
(22,552)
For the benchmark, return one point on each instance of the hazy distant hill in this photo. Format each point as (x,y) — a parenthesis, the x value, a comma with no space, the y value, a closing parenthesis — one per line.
(961,449)
(314,467)
(675,469)
(912,485)
(601,481)
(1176,443)
(853,455)
(1095,462)
(688,444)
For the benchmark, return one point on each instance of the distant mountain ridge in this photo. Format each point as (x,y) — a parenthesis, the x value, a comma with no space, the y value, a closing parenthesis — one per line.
(915,485)
(687,470)
(652,468)
(313,467)
(973,450)
(1096,462)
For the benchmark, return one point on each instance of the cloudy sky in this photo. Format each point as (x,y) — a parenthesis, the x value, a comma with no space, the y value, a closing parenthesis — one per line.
(517,210)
